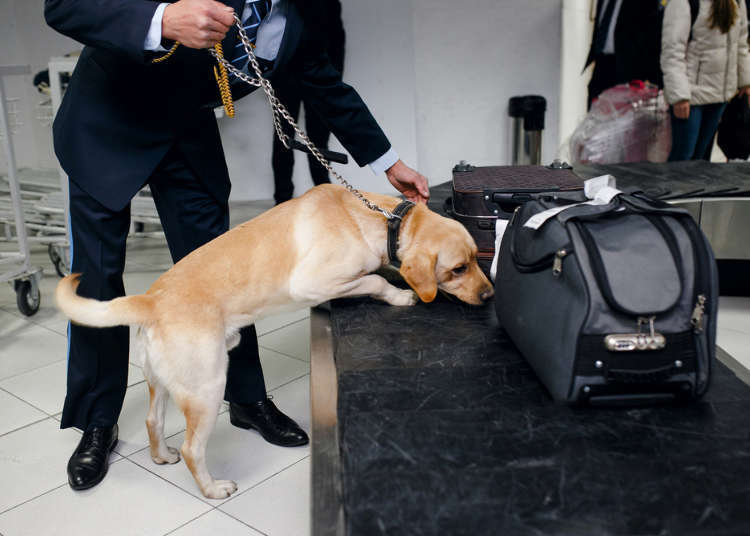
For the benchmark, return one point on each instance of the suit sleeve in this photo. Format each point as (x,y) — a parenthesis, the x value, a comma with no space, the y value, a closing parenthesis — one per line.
(337,104)
(674,42)
(116,25)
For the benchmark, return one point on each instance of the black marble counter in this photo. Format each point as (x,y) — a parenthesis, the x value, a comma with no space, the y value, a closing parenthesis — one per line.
(444,429)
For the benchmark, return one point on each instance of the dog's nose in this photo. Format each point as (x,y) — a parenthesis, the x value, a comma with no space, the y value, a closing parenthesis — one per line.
(487,293)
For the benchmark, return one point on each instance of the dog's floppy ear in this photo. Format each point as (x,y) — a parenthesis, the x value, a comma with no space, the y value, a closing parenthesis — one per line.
(418,270)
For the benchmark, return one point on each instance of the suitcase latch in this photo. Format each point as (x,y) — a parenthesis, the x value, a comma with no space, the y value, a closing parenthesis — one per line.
(630,342)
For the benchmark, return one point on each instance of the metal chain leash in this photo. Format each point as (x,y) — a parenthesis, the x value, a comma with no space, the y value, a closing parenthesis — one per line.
(279,110)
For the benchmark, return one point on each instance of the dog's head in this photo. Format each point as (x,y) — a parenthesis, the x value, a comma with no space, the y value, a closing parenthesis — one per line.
(438,253)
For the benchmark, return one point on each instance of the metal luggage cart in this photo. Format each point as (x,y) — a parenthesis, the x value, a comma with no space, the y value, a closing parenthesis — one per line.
(24,277)
(55,206)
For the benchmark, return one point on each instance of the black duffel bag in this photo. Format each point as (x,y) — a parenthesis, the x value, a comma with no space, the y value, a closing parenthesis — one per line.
(610,303)
(734,129)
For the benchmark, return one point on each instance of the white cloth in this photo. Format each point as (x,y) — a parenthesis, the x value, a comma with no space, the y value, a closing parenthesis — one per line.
(599,190)
(500,227)
(609,44)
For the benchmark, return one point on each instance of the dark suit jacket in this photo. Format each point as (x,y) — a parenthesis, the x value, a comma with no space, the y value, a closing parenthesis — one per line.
(121,114)
(637,40)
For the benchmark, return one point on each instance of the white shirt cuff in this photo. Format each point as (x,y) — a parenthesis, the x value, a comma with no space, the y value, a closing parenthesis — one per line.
(384,162)
(153,37)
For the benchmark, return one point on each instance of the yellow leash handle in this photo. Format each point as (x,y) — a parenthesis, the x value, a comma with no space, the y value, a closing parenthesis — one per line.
(222,78)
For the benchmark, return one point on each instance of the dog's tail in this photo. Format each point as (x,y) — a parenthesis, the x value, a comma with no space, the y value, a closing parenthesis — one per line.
(124,311)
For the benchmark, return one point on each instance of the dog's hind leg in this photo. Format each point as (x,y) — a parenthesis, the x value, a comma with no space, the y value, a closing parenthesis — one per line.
(158,396)
(198,391)
(161,453)
(200,416)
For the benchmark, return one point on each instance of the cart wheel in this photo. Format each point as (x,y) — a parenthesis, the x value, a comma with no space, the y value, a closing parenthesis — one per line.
(57,261)
(27,297)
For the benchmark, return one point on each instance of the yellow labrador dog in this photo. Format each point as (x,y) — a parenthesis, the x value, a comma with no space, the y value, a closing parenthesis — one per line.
(320,246)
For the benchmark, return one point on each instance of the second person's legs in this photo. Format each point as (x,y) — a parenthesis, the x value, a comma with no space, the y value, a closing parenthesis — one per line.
(685,134)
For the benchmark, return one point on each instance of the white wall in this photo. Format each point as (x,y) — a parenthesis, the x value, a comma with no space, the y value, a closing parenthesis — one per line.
(379,64)
(26,39)
(437,75)
(577,27)
(471,57)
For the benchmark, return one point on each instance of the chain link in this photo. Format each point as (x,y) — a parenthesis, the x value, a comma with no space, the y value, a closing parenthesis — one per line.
(279,111)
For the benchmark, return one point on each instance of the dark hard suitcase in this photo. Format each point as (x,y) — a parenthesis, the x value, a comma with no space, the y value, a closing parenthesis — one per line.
(481,195)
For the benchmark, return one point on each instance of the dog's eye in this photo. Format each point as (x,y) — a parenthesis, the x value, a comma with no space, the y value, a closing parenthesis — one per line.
(459,270)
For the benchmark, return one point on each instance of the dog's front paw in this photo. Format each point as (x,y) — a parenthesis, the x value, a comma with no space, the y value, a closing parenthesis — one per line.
(220,489)
(404,297)
(172,456)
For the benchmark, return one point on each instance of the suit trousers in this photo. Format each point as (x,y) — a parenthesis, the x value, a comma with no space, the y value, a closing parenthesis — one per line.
(282,158)
(98,357)
(603,77)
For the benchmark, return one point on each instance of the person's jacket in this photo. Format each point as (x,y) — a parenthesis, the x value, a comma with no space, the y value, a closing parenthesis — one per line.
(710,67)
(121,114)
(637,43)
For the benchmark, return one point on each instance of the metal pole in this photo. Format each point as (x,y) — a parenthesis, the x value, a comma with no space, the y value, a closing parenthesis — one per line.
(15,195)
(56,67)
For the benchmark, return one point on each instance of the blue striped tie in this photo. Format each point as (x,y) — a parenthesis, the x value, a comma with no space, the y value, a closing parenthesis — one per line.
(253,14)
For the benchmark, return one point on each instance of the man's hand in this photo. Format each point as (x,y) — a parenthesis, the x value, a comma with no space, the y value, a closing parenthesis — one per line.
(681,109)
(407,181)
(197,23)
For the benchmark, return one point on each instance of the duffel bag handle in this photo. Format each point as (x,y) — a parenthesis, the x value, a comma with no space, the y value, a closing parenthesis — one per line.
(634,203)
(640,376)
(448,207)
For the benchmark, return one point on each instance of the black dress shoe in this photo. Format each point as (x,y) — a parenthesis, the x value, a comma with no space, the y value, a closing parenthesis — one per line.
(89,463)
(265,417)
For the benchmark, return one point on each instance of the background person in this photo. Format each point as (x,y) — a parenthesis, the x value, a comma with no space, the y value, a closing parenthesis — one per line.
(625,44)
(703,68)
(125,121)
(282,159)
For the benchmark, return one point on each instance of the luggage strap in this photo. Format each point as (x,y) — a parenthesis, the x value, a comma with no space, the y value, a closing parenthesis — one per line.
(394,225)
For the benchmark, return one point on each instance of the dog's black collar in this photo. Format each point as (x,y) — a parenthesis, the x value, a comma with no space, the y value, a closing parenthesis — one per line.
(394,225)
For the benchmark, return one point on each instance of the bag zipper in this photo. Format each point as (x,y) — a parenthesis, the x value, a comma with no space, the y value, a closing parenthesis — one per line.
(700,297)
(698,311)
(557,262)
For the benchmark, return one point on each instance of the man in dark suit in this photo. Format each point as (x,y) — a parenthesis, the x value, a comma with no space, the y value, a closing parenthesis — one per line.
(126,121)
(282,159)
(626,44)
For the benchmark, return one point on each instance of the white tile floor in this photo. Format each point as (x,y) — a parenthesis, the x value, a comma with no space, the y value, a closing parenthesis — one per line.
(138,497)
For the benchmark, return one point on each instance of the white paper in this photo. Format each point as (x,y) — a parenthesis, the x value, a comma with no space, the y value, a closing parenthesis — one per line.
(500,226)
(600,191)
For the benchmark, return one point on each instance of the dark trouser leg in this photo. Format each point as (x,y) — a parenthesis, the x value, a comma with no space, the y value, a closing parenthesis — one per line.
(316,130)
(191,217)
(710,117)
(97,357)
(282,158)
(685,134)
(603,77)
(318,134)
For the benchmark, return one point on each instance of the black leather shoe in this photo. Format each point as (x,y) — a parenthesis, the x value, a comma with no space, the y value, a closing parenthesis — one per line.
(89,463)
(265,417)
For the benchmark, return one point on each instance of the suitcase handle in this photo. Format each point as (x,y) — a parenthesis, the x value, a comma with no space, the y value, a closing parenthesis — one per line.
(448,207)
(331,156)
(511,197)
